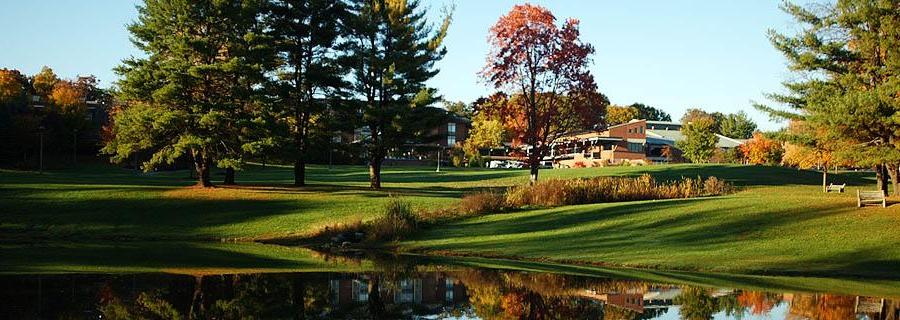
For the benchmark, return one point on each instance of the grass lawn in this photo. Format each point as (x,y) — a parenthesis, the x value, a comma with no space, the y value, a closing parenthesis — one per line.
(780,222)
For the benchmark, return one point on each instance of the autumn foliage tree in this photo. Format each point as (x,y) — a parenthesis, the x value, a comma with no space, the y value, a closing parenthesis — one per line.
(762,150)
(544,68)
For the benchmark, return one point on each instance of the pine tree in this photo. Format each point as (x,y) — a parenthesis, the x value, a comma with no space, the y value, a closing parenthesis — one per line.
(193,92)
(848,56)
(304,33)
(391,49)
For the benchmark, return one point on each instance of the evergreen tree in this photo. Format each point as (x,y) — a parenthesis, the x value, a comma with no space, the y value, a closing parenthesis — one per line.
(193,92)
(392,49)
(737,125)
(848,56)
(304,33)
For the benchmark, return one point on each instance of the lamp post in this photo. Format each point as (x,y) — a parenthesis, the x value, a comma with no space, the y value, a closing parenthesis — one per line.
(439,158)
(41,152)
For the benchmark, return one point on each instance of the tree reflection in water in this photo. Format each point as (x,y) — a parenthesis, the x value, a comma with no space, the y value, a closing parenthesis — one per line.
(406,293)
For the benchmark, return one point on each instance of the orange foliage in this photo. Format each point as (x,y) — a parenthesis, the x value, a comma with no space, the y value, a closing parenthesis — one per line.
(762,150)
(10,86)
(759,302)
(67,97)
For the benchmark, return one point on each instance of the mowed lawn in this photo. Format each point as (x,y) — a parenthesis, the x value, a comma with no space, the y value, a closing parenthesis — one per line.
(779,222)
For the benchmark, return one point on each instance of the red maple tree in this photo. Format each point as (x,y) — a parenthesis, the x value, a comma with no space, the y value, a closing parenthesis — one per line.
(544,69)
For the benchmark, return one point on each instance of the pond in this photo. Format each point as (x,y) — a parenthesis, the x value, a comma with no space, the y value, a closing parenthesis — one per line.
(383,286)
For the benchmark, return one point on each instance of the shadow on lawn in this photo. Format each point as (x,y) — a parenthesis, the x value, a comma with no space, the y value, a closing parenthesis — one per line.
(32,212)
(189,257)
(702,226)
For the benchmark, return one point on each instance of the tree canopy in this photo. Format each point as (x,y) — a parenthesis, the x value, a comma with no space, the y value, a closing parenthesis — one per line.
(543,67)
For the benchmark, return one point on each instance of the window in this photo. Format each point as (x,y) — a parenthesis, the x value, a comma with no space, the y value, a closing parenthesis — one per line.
(451,133)
(642,129)
(635,147)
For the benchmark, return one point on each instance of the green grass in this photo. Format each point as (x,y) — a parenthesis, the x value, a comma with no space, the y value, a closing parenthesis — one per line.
(779,223)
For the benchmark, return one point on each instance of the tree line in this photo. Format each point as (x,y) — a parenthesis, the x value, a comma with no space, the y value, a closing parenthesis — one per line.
(221,81)
(44,105)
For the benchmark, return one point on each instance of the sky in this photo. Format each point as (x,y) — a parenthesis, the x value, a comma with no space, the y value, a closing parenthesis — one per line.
(673,55)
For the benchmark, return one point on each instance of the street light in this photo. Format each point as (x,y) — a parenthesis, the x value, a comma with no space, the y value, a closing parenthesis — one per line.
(439,158)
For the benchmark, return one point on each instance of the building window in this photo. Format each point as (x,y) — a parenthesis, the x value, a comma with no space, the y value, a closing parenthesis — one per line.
(642,129)
(451,134)
(635,147)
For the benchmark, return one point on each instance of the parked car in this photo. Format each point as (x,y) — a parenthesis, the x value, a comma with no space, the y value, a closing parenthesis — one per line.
(496,164)
(515,164)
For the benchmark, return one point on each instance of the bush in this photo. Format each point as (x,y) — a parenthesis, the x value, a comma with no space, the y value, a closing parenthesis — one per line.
(482,203)
(397,220)
(551,193)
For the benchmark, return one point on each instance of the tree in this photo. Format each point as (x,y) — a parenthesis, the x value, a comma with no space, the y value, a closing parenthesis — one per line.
(44,81)
(305,34)
(12,87)
(848,57)
(547,66)
(700,140)
(650,113)
(68,97)
(391,49)
(619,114)
(458,108)
(190,94)
(737,125)
(487,132)
(762,150)
(694,113)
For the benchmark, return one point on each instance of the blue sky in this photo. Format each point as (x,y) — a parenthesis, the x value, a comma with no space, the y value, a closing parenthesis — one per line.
(674,55)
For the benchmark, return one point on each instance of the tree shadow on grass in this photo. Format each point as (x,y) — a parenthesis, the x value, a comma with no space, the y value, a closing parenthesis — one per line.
(188,257)
(36,214)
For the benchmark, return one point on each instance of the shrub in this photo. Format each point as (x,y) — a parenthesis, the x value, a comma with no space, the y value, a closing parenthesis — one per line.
(482,203)
(397,220)
(554,192)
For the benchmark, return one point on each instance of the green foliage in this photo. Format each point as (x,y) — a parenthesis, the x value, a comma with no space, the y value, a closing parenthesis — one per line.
(201,72)
(849,105)
(650,113)
(44,81)
(737,125)
(700,140)
(391,49)
(459,108)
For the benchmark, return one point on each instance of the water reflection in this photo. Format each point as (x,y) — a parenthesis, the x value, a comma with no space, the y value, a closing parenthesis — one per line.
(457,293)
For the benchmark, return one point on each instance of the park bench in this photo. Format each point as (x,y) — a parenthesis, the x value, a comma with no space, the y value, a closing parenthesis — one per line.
(835,188)
(864,198)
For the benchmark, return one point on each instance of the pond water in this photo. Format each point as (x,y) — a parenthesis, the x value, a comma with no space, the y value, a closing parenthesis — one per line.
(410,292)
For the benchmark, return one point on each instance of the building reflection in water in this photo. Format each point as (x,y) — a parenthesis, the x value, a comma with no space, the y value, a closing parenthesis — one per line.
(463,293)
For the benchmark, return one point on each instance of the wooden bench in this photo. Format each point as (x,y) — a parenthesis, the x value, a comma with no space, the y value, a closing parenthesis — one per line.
(835,188)
(864,198)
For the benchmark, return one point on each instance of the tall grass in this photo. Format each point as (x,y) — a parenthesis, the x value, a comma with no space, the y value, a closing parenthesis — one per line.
(556,192)
(397,220)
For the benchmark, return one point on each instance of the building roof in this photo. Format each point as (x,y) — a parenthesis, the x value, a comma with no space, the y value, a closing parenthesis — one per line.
(672,136)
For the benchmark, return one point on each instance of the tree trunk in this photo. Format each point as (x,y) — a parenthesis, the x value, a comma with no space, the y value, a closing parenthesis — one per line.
(893,173)
(375,162)
(300,171)
(825,179)
(229,176)
(881,178)
(201,165)
(534,163)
